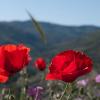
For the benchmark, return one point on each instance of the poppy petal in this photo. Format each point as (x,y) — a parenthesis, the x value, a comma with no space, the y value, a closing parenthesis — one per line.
(3,79)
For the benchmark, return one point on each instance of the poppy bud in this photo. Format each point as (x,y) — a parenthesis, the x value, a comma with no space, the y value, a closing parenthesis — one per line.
(40,63)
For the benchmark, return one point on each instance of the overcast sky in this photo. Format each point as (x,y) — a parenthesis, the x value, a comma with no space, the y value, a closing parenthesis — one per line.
(67,12)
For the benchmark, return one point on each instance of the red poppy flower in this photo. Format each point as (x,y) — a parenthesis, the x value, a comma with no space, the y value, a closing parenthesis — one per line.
(40,63)
(69,65)
(12,59)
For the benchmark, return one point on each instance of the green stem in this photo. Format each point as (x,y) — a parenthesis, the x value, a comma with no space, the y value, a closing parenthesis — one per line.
(68,97)
(9,93)
(24,75)
(89,95)
(68,86)
(64,92)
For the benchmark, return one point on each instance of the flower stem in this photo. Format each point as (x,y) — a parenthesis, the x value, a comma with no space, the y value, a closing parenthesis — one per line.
(68,97)
(64,92)
(24,76)
(68,86)
(37,94)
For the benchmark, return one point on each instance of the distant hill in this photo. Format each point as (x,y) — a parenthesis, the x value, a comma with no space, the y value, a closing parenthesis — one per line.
(86,38)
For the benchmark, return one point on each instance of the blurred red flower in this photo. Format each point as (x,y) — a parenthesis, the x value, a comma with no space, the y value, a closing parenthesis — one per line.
(40,63)
(69,65)
(12,59)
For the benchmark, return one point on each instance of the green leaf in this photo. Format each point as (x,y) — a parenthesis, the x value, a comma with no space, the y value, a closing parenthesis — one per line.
(38,28)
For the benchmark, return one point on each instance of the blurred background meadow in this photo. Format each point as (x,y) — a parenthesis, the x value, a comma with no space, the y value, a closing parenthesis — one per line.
(68,24)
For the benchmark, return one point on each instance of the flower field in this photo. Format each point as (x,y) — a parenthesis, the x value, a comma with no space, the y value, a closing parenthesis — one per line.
(67,75)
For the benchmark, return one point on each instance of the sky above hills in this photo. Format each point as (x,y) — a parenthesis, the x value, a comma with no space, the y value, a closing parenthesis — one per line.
(65,12)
